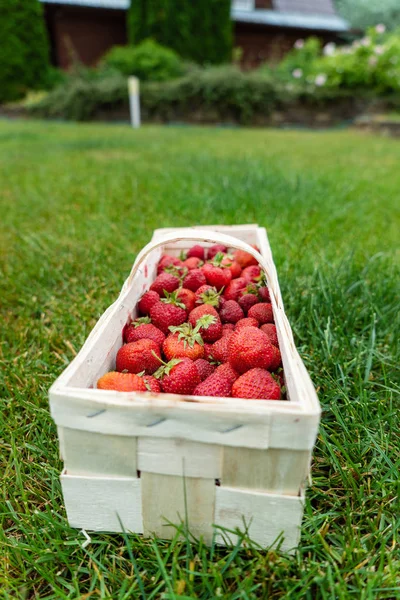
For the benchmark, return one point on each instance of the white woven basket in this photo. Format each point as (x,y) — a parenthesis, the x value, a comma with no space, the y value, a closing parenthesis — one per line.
(151,461)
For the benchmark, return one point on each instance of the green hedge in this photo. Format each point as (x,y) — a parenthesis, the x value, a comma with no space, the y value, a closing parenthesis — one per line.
(24,51)
(199,30)
(218,94)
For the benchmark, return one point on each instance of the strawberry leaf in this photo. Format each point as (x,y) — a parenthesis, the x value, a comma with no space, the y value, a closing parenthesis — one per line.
(141,321)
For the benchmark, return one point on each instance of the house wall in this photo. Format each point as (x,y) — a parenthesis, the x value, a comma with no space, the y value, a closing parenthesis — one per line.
(84,34)
(260,43)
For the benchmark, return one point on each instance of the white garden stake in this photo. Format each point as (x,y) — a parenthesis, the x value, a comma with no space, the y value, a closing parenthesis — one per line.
(134,101)
(146,460)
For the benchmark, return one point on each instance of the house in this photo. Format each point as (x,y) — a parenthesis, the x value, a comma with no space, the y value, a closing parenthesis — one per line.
(264,29)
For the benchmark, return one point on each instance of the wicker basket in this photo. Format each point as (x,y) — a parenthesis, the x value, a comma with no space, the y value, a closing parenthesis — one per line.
(149,462)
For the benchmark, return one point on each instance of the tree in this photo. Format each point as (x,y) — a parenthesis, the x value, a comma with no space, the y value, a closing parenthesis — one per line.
(362,14)
(199,30)
(24,49)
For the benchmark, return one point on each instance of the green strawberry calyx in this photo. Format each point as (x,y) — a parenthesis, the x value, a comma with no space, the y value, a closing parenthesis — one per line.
(211,297)
(172,298)
(177,271)
(191,335)
(141,321)
(166,368)
(217,261)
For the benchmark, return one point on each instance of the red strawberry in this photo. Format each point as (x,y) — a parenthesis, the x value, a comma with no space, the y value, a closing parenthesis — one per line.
(168,312)
(249,348)
(215,250)
(220,348)
(179,376)
(185,340)
(244,258)
(147,301)
(270,330)
(187,298)
(226,370)
(143,355)
(208,351)
(257,384)
(277,361)
(214,331)
(247,301)
(251,273)
(219,277)
(192,263)
(173,347)
(207,294)
(215,385)
(264,294)
(167,261)
(194,279)
(235,288)
(231,312)
(204,368)
(196,251)
(248,322)
(262,312)
(165,282)
(142,329)
(227,327)
(232,265)
(128,382)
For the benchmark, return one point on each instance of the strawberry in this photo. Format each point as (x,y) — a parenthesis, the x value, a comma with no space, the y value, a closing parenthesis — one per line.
(192,263)
(277,361)
(215,385)
(211,252)
(143,329)
(219,277)
(251,273)
(208,351)
(207,294)
(204,368)
(264,294)
(187,297)
(235,288)
(248,322)
(194,279)
(147,301)
(220,348)
(165,282)
(232,265)
(227,327)
(214,331)
(167,261)
(247,301)
(257,384)
(226,370)
(168,312)
(231,312)
(179,376)
(196,251)
(128,382)
(248,348)
(270,330)
(244,258)
(186,341)
(135,357)
(262,312)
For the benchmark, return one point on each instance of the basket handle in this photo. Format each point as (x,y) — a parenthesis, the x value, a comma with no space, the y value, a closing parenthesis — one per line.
(202,235)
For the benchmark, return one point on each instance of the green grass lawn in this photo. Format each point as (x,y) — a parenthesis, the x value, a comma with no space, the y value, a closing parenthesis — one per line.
(78,202)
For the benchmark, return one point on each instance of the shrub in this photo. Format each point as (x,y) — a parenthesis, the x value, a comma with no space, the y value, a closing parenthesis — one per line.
(200,30)
(149,61)
(217,94)
(24,52)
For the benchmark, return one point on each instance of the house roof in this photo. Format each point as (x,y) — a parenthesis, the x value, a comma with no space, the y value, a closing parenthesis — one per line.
(299,14)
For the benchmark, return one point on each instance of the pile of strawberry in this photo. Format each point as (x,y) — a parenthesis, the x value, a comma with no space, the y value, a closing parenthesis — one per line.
(206,328)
